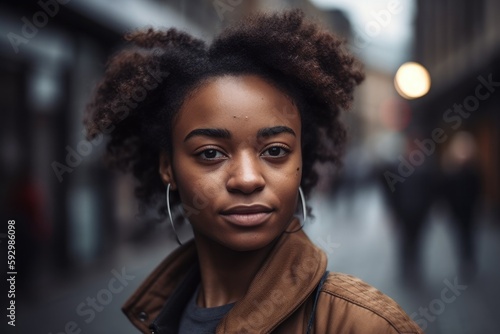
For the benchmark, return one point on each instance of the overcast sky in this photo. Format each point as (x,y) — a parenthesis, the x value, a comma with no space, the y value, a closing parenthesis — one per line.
(382,41)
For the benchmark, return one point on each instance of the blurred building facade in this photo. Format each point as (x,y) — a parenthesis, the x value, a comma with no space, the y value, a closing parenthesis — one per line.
(459,43)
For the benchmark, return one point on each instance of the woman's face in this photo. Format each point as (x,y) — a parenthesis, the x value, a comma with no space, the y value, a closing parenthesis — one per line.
(236,161)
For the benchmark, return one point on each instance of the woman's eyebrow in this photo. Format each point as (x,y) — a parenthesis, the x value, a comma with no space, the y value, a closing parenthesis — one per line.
(208,132)
(275,130)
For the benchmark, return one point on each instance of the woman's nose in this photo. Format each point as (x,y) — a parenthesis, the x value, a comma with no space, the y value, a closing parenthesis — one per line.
(245,174)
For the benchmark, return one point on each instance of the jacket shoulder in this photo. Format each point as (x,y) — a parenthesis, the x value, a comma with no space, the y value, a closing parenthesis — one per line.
(360,300)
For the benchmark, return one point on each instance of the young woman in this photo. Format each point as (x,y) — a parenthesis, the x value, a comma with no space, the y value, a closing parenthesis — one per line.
(230,132)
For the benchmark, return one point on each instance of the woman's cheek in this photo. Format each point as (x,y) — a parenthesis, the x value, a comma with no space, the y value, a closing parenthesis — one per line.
(291,176)
(199,190)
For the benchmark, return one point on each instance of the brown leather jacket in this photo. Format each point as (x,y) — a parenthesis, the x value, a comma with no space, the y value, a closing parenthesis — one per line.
(280,299)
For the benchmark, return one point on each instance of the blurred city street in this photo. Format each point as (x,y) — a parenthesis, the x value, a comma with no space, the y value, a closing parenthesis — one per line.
(358,235)
(415,211)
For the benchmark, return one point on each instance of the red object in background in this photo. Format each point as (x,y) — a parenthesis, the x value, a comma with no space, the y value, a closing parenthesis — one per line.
(395,114)
(26,199)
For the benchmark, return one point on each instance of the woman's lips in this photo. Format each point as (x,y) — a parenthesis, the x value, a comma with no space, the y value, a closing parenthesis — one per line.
(247,215)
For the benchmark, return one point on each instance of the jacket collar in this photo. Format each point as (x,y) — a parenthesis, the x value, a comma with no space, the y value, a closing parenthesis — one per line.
(287,278)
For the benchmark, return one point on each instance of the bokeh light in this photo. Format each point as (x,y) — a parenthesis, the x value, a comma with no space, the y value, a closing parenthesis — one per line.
(412,80)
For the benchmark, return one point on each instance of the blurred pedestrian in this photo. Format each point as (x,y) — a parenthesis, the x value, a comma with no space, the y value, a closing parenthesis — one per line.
(410,202)
(462,187)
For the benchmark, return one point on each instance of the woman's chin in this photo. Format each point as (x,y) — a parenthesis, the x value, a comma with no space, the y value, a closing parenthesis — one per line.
(247,243)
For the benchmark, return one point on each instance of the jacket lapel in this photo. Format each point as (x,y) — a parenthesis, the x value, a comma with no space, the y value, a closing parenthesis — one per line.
(148,300)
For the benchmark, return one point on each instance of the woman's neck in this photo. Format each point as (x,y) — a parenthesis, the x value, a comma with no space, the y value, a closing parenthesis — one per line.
(225,274)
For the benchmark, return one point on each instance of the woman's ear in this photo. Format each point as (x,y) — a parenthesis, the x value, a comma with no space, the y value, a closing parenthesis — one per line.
(166,170)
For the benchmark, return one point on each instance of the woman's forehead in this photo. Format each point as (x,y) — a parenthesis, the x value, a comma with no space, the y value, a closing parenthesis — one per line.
(237,101)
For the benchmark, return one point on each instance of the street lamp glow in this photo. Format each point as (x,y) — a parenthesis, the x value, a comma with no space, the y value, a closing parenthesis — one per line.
(412,80)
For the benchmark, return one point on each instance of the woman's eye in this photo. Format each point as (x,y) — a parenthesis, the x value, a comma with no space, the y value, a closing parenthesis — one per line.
(276,151)
(211,154)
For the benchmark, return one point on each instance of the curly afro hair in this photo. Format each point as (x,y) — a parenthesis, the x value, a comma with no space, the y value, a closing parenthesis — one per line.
(145,85)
